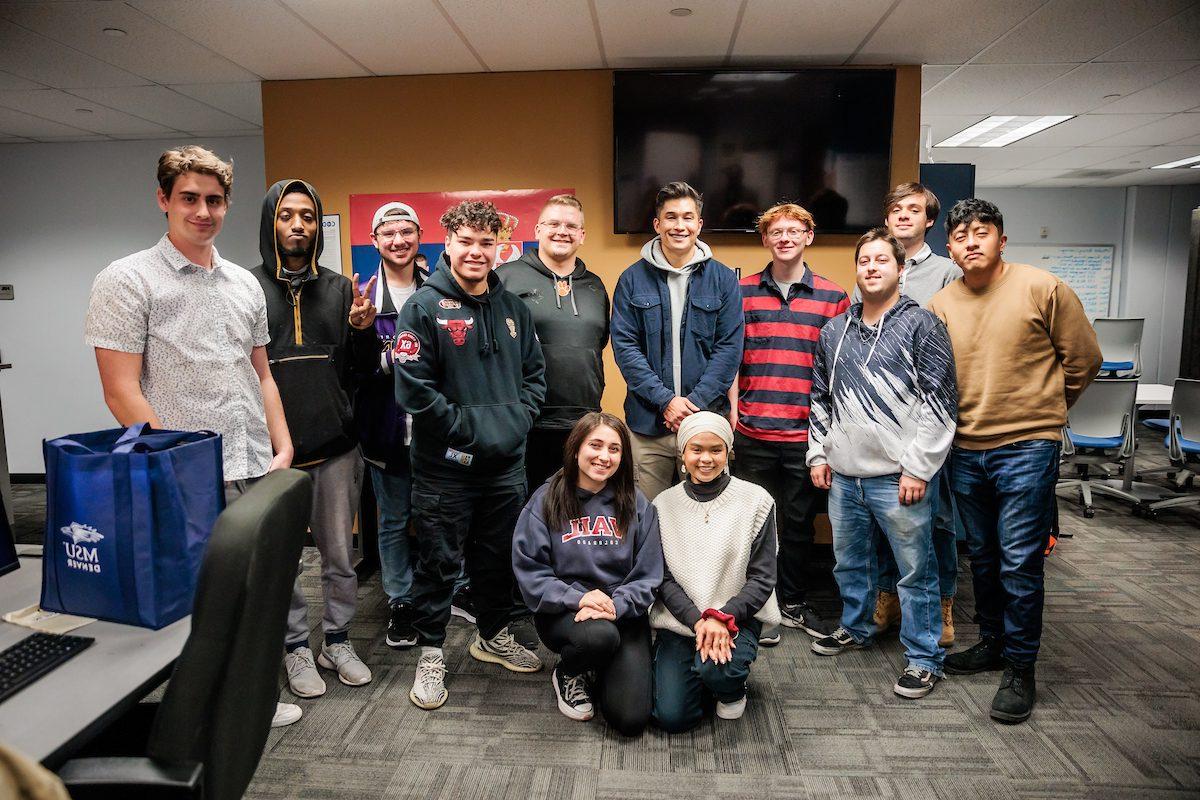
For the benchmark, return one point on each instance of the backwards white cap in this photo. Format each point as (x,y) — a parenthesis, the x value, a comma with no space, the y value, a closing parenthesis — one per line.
(394,212)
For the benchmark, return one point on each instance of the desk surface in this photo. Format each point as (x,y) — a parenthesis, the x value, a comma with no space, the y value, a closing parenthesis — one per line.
(1154,394)
(56,714)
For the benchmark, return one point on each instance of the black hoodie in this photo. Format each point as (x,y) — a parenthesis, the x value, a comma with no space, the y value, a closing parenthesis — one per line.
(470,371)
(314,352)
(571,318)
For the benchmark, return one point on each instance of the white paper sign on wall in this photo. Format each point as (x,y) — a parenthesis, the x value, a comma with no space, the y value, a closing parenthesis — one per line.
(331,228)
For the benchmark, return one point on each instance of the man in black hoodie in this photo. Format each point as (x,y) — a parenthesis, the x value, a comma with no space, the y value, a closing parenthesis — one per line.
(472,377)
(572,329)
(321,336)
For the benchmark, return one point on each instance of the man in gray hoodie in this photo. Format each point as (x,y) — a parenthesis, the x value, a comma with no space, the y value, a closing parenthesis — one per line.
(883,409)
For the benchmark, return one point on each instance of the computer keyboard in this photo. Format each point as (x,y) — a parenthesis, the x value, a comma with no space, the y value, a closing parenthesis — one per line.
(34,656)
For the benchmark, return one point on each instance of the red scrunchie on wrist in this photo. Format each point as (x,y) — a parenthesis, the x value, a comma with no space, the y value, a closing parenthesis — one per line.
(725,619)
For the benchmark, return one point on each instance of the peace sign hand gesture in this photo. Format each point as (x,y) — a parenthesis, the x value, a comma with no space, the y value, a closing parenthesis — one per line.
(362,310)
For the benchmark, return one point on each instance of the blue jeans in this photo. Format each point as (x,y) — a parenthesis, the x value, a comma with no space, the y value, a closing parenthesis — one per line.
(945,544)
(393,496)
(684,685)
(1006,498)
(857,508)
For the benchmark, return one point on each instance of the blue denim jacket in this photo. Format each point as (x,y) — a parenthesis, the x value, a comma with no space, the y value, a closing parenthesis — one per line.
(711,344)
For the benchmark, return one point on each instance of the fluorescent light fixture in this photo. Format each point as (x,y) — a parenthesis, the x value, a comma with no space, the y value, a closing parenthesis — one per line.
(1183,162)
(1002,130)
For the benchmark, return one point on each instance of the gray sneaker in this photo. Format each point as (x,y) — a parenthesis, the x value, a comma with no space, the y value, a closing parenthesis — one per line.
(341,657)
(429,685)
(506,651)
(285,714)
(302,675)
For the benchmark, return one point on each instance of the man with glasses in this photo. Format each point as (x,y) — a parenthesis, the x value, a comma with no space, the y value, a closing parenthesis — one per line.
(785,307)
(570,314)
(383,427)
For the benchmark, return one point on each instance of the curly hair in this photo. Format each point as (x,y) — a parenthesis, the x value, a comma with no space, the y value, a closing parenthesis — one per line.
(472,214)
(193,158)
(785,211)
(974,210)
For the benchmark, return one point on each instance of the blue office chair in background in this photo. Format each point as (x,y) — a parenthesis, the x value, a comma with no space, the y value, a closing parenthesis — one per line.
(1120,346)
(1099,431)
(1183,444)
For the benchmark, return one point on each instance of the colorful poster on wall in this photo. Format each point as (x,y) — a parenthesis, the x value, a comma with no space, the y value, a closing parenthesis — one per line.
(518,211)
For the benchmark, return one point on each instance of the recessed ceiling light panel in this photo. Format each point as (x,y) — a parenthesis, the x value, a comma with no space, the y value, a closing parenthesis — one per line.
(1183,162)
(998,131)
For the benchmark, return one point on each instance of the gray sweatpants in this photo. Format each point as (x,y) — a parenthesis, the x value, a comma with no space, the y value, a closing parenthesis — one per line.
(337,486)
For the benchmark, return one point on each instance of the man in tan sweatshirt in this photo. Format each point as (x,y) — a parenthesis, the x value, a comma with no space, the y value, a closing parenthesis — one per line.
(1024,351)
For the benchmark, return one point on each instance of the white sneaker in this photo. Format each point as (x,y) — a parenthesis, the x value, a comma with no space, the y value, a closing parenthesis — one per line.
(732,710)
(341,657)
(285,714)
(506,651)
(303,678)
(429,685)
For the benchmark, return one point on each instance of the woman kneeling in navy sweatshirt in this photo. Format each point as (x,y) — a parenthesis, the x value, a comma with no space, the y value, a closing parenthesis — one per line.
(587,557)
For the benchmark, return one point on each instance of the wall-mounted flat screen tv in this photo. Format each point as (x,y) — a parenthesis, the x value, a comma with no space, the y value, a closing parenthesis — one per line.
(749,139)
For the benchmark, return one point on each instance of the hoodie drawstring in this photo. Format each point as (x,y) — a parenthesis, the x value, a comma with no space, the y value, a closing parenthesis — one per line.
(837,351)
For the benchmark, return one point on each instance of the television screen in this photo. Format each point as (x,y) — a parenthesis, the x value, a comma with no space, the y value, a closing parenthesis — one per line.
(749,139)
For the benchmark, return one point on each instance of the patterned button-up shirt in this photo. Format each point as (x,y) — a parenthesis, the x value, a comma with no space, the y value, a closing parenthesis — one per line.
(195,329)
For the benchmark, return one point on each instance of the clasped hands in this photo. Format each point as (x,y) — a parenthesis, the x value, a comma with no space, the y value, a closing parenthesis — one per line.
(596,605)
(714,641)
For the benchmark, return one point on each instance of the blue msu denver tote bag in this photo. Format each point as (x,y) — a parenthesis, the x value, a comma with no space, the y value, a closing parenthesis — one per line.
(128,515)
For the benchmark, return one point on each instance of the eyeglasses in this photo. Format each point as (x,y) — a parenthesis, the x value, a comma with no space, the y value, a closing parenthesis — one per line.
(791,233)
(555,224)
(392,233)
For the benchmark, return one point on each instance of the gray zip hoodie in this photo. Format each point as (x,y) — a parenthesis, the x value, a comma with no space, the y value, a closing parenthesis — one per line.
(677,281)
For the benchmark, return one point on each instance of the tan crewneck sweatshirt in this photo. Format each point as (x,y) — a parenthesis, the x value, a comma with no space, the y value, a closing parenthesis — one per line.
(1023,350)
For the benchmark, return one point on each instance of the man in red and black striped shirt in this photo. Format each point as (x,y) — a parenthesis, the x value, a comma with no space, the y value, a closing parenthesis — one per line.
(785,307)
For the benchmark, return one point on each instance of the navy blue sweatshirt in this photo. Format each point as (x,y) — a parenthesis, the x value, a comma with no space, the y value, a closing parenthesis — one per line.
(556,568)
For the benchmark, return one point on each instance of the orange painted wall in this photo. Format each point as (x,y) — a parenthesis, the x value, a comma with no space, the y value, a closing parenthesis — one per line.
(514,130)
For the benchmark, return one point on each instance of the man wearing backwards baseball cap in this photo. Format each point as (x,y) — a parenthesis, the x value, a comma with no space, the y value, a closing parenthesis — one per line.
(383,428)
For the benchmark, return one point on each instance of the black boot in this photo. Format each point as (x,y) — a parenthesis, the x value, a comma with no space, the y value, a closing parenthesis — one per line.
(985,655)
(1017,693)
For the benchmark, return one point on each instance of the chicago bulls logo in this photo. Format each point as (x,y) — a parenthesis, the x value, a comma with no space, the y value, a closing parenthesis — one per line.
(457,328)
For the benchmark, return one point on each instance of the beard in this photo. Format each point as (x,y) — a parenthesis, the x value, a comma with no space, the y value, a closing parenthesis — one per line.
(295,250)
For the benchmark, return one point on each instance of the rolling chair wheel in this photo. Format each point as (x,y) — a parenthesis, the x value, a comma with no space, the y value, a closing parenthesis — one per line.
(1150,513)
(1089,512)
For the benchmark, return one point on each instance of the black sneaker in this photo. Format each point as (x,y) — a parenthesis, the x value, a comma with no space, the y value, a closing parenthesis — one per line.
(915,682)
(400,633)
(572,694)
(770,638)
(985,655)
(804,617)
(1017,693)
(523,630)
(463,605)
(837,642)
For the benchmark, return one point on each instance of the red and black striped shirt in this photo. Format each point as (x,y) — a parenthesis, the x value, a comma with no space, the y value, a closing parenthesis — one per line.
(777,357)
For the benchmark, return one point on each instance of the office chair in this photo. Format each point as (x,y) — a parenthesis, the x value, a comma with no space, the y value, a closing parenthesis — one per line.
(1182,443)
(1120,346)
(1099,430)
(208,733)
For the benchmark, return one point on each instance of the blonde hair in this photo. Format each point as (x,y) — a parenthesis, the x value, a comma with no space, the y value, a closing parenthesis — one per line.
(193,158)
(785,211)
(564,200)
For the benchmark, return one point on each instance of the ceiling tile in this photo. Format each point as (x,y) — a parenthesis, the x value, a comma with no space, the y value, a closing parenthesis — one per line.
(242,100)
(1084,157)
(1088,129)
(638,34)
(1014,177)
(34,57)
(989,158)
(152,50)
(983,89)
(1178,93)
(160,104)
(390,40)
(1085,87)
(1077,30)
(1149,157)
(942,127)
(825,31)
(10,82)
(563,30)
(1067,179)
(91,137)
(1166,131)
(61,107)
(1173,39)
(932,76)
(264,38)
(18,123)
(940,31)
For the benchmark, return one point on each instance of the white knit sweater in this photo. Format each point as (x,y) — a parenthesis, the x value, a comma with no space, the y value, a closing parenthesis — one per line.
(707,548)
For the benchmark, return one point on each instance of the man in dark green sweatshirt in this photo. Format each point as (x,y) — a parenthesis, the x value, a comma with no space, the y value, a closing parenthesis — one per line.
(470,371)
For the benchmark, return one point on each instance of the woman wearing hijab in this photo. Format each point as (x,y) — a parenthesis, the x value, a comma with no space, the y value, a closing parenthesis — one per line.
(718,541)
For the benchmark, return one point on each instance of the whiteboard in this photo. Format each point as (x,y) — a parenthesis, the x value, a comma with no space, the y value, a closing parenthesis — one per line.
(1086,268)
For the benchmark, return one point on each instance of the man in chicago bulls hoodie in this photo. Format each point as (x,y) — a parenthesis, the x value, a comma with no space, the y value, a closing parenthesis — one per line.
(470,371)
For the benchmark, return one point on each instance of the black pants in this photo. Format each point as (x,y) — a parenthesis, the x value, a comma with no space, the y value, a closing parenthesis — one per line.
(619,652)
(543,455)
(454,523)
(779,468)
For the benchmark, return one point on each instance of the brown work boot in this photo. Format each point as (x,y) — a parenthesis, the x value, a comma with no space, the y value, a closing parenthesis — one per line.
(887,611)
(947,622)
